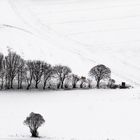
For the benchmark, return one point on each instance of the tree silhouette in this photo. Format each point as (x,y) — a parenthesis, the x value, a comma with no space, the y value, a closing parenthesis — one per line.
(11,65)
(29,75)
(100,72)
(37,71)
(62,72)
(34,121)
(2,69)
(21,73)
(47,72)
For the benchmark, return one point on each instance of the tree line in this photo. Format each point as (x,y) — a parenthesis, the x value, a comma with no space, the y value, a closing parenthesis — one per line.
(15,72)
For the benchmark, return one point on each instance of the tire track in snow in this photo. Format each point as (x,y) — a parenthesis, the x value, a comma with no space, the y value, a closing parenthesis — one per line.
(15,27)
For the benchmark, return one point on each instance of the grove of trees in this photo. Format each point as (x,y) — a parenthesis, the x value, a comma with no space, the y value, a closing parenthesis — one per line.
(17,73)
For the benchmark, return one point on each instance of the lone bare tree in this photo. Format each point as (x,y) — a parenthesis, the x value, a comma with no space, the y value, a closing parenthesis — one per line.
(34,121)
(100,72)
(11,66)
(62,72)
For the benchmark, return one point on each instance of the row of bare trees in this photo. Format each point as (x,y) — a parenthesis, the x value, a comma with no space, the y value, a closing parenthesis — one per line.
(15,72)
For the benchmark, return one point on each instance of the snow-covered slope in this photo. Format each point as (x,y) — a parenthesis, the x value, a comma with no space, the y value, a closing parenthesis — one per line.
(77,33)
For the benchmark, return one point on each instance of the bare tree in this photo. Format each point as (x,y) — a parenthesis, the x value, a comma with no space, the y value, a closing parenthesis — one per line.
(75,79)
(21,73)
(37,72)
(47,72)
(1,61)
(29,76)
(82,79)
(2,69)
(68,82)
(100,72)
(111,83)
(11,66)
(34,121)
(62,72)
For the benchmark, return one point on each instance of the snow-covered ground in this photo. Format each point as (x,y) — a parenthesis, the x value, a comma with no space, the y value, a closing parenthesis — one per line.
(73,115)
(80,34)
(77,33)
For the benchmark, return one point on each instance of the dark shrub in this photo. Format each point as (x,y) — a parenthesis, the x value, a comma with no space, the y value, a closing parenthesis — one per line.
(34,121)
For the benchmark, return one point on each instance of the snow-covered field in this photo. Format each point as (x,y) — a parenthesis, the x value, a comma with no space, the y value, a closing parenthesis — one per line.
(89,32)
(80,34)
(73,115)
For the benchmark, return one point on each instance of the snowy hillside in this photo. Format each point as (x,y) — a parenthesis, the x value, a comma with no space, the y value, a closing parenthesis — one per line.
(77,33)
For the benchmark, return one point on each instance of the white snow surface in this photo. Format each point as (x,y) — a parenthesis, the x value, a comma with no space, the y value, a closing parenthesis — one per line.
(77,33)
(80,34)
(72,115)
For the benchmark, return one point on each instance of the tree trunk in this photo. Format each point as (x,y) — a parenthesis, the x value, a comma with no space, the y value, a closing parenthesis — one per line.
(18,80)
(2,81)
(81,85)
(58,86)
(28,86)
(98,84)
(62,83)
(36,85)
(29,83)
(89,86)
(74,85)
(8,83)
(44,86)
(20,85)
(21,78)
(34,133)
(11,83)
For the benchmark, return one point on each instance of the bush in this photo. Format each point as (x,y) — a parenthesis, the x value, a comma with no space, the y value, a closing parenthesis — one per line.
(34,121)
